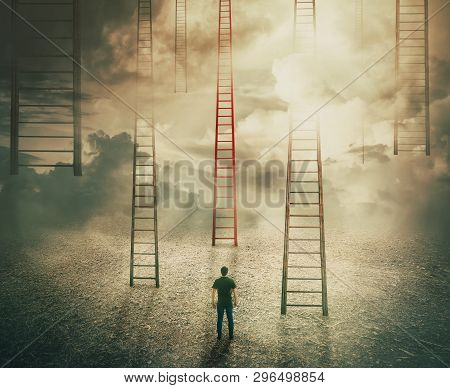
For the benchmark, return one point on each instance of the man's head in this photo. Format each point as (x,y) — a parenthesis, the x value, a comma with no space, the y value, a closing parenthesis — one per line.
(224,271)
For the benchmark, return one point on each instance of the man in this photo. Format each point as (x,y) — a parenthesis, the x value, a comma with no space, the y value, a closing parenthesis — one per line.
(224,285)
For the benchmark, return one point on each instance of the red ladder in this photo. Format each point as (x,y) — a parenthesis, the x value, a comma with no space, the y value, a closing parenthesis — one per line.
(224,213)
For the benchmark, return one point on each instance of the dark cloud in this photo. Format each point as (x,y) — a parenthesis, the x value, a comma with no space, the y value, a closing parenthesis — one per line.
(375,152)
(58,199)
(440,78)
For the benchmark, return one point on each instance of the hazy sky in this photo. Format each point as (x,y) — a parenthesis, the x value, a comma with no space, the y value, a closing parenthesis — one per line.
(386,190)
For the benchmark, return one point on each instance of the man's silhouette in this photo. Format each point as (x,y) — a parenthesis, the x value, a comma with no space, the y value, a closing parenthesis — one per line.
(224,285)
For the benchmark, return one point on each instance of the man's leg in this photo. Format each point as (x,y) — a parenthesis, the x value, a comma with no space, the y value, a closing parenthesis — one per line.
(230,321)
(220,311)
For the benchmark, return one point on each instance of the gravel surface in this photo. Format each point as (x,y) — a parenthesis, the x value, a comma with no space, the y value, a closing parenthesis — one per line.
(66,302)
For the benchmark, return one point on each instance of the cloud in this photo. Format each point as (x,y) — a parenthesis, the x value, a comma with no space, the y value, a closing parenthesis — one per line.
(377,151)
(387,189)
(31,201)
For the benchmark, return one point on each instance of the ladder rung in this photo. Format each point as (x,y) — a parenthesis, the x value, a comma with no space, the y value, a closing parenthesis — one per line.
(304,239)
(46,72)
(46,89)
(144,265)
(46,105)
(46,122)
(41,3)
(304,227)
(304,203)
(304,279)
(45,165)
(143,278)
(69,55)
(304,215)
(304,292)
(47,136)
(58,151)
(304,305)
(304,253)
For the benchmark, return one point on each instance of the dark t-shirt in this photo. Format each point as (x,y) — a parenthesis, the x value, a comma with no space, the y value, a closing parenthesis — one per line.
(223,285)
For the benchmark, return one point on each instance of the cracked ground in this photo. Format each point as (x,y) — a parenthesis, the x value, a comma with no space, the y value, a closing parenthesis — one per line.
(66,302)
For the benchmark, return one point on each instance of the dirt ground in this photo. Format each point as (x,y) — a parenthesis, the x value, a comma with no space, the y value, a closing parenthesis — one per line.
(65,302)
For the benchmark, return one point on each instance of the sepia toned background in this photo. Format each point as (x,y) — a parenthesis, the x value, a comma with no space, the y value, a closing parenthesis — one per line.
(65,241)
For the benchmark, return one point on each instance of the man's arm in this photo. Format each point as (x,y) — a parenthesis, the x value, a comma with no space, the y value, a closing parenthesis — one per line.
(213,297)
(234,297)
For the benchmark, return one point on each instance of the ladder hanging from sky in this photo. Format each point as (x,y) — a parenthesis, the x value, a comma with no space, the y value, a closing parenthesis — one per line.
(180,46)
(144,261)
(359,38)
(46,85)
(224,206)
(304,264)
(412,115)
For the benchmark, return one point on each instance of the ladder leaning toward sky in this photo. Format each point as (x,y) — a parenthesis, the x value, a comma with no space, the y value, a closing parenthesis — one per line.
(180,46)
(144,260)
(304,264)
(412,113)
(46,85)
(224,206)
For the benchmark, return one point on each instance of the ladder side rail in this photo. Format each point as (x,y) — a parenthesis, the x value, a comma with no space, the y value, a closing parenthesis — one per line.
(323,262)
(287,223)
(397,80)
(185,48)
(427,83)
(154,168)
(176,46)
(233,128)
(133,201)
(76,53)
(323,265)
(14,137)
(315,31)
